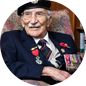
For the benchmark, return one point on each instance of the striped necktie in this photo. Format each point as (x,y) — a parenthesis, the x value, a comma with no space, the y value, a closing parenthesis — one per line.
(44,49)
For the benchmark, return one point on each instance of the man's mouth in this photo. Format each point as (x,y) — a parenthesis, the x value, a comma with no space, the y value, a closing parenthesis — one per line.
(35,27)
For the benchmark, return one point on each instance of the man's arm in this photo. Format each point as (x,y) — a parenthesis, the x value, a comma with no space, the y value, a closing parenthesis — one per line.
(21,69)
(55,74)
(24,70)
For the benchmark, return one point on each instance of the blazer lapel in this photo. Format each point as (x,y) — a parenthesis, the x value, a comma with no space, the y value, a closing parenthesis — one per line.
(27,41)
(56,42)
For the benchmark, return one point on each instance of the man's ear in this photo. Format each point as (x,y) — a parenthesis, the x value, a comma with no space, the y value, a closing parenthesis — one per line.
(49,21)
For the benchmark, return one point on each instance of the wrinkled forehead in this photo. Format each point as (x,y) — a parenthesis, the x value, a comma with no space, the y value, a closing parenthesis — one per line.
(36,10)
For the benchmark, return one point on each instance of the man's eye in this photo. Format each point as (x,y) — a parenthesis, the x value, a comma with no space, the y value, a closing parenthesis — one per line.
(39,13)
(27,13)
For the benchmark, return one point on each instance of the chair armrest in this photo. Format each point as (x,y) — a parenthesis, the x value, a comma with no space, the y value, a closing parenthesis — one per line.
(36,82)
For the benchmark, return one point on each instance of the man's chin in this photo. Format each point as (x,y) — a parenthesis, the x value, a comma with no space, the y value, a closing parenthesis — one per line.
(37,37)
(34,34)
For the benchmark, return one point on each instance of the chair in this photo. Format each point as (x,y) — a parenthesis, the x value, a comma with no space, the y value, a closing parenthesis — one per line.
(61,23)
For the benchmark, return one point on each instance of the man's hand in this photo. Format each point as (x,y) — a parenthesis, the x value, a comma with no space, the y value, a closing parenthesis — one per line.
(56,74)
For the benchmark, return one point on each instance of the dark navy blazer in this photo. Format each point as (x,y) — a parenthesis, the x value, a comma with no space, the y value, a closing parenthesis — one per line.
(16,51)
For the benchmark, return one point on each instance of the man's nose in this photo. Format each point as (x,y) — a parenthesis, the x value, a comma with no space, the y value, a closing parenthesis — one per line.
(33,19)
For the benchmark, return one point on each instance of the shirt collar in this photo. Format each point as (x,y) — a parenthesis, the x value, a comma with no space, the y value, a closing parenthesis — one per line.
(46,38)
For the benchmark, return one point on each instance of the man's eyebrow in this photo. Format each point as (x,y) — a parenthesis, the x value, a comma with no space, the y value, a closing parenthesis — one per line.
(39,11)
(36,11)
(27,11)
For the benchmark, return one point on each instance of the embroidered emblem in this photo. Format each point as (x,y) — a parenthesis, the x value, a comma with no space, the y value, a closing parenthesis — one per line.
(34,2)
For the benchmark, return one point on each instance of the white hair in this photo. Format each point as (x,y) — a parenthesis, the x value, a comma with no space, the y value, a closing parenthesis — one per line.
(48,12)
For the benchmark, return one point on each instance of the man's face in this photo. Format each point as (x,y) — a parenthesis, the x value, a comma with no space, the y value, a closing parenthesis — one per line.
(36,22)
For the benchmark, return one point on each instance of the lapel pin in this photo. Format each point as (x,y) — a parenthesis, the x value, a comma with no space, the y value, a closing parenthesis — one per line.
(63,50)
(33,48)
(64,45)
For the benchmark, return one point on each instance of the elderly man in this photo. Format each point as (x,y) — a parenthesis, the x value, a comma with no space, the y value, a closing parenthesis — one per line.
(34,53)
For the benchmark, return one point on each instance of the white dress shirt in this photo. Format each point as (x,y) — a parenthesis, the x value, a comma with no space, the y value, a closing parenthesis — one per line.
(55,53)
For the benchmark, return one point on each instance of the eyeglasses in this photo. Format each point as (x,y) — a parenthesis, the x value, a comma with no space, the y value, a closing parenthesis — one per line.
(38,14)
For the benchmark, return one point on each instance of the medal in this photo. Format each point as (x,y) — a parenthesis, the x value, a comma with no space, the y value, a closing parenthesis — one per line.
(35,52)
(38,61)
(78,57)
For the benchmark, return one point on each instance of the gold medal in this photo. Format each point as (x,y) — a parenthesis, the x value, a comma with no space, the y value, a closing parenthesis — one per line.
(63,50)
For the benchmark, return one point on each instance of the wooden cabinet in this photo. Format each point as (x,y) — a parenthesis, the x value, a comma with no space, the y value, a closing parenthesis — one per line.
(75,23)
